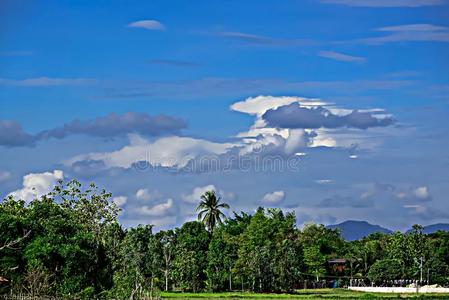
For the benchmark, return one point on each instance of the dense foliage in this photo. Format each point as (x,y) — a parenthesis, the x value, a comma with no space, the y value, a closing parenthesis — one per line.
(70,243)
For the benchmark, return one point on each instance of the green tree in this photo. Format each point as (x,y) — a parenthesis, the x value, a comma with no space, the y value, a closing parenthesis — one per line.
(385,269)
(314,260)
(134,269)
(167,241)
(223,252)
(209,210)
(190,262)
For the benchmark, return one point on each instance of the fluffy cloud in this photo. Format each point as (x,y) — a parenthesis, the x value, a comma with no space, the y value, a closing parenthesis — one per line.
(341,57)
(421,192)
(147,24)
(260,104)
(274,197)
(146,195)
(36,185)
(296,116)
(120,200)
(386,3)
(171,151)
(414,194)
(344,123)
(197,192)
(406,195)
(157,210)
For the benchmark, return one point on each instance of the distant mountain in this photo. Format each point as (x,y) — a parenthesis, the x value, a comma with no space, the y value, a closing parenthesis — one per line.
(354,230)
(434,228)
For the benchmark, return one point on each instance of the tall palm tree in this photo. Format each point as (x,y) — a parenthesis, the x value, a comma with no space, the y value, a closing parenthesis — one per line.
(209,210)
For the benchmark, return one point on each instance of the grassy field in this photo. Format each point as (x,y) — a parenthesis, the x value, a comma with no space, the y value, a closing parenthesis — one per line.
(302,294)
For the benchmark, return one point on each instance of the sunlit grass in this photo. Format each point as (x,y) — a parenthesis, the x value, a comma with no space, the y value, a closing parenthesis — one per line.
(303,294)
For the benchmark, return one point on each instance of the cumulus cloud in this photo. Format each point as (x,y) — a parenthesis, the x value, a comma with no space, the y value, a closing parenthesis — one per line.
(260,104)
(147,195)
(386,3)
(12,134)
(274,197)
(421,192)
(197,192)
(406,195)
(414,194)
(36,185)
(173,151)
(344,133)
(157,210)
(147,24)
(296,116)
(120,200)
(341,57)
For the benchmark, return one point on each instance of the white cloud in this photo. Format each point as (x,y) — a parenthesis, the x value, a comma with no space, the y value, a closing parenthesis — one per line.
(386,3)
(297,139)
(171,151)
(260,104)
(421,192)
(341,57)
(156,210)
(197,192)
(147,24)
(120,200)
(143,194)
(4,175)
(274,197)
(37,184)
(289,141)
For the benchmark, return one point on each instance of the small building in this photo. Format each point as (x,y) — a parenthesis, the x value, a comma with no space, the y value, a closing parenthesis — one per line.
(337,265)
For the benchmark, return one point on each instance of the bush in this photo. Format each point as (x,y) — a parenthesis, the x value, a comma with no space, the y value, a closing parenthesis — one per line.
(385,269)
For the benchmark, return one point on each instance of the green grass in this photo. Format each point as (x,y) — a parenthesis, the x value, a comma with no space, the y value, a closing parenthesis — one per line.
(302,294)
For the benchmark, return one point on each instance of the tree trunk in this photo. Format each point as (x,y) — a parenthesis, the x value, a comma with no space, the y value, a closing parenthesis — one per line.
(166,280)
(230,279)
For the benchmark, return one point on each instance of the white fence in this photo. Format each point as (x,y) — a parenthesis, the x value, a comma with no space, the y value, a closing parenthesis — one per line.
(400,290)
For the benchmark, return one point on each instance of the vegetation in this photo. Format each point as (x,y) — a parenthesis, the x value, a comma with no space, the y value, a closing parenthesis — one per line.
(302,294)
(69,243)
(209,210)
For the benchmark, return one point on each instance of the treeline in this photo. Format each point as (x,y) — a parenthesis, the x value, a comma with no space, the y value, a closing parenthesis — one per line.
(70,243)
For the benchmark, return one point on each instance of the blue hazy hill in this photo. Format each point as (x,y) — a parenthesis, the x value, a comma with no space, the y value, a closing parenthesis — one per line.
(353,230)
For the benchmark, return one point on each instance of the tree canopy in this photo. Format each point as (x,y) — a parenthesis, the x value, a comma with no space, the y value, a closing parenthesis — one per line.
(70,243)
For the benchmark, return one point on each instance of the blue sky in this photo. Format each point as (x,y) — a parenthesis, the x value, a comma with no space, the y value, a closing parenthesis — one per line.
(354,91)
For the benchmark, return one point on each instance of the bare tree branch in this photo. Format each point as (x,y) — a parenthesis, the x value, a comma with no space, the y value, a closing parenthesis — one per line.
(11,244)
